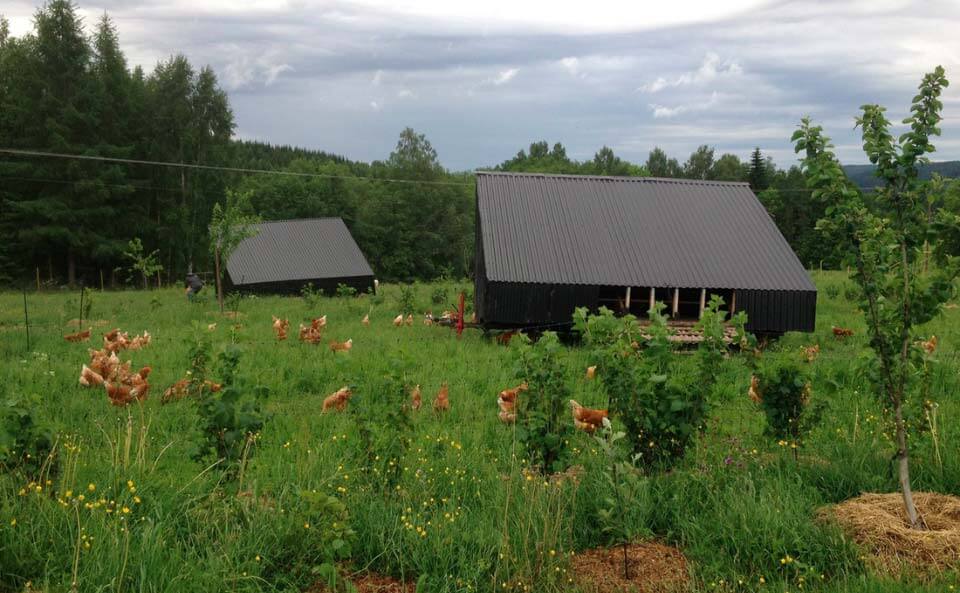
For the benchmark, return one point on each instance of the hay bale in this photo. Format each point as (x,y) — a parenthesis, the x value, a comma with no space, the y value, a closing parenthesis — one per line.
(878,524)
(654,568)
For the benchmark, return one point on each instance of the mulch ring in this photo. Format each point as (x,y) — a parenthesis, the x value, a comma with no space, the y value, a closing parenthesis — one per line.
(878,524)
(654,568)
(369,582)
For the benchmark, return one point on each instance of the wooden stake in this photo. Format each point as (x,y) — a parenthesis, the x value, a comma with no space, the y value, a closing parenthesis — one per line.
(733,303)
(101,279)
(653,297)
(80,322)
(628,299)
(703,300)
(676,301)
(26,318)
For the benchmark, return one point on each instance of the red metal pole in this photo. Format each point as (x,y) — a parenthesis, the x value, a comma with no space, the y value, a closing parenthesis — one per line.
(460,315)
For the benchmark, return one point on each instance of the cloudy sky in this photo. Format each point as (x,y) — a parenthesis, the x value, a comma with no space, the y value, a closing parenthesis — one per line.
(483,79)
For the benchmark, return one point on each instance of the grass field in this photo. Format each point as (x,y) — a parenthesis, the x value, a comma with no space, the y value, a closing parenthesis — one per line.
(464,516)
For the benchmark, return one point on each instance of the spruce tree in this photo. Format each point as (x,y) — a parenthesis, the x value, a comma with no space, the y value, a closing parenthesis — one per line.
(758,173)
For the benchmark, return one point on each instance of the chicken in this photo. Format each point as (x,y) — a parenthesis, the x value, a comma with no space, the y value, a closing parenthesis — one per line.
(754,391)
(115,340)
(507,417)
(337,400)
(89,377)
(211,327)
(311,334)
(428,319)
(441,403)
(841,332)
(319,322)
(341,346)
(587,419)
(507,400)
(409,320)
(139,342)
(280,327)
(79,336)
(591,372)
(398,320)
(365,320)
(929,345)
(416,400)
(178,390)
(119,394)
(504,338)
(811,352)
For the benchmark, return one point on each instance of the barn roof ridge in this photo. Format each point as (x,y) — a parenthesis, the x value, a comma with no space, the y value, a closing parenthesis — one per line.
(619,178)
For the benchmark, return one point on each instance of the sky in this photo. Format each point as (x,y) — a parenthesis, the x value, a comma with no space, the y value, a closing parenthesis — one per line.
(484,79)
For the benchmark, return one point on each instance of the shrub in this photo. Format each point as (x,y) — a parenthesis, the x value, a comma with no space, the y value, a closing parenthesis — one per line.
(25,443)
(345,290)
(781,388)
(310,295)
(384,427)
(542,421)
(661,406)
(833,291)
(231,417)
(407,300)
(439,296)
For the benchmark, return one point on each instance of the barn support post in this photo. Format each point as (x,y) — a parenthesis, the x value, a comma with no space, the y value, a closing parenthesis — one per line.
(703,301)
(26,318)
(733,303)
(653,297)
(676,302)
(628,299)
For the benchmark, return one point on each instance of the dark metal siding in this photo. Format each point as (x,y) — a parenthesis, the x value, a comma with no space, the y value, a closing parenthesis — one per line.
(778,311)
(294,252)
(617,231)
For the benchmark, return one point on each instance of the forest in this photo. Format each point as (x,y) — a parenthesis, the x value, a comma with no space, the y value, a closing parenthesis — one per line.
(67,88)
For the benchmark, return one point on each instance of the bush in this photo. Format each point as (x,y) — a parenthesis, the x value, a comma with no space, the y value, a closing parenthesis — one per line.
(25,443)
(384,427)
(781,387)
(542,422)
(407,300)
(439,296)
(310,295)
(833,291)
(345,290)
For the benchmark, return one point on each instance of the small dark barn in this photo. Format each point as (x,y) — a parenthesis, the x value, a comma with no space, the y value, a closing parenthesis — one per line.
(547,244)
(285,255)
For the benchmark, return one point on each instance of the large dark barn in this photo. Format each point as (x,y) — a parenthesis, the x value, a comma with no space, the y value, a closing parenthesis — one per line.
(547,244)
(286,255)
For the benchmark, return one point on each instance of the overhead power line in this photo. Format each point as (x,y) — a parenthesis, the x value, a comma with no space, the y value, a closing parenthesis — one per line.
(104,159)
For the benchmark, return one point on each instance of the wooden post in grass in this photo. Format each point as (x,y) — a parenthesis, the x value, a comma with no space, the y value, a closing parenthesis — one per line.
(26,318)
(101,279)
(80,318)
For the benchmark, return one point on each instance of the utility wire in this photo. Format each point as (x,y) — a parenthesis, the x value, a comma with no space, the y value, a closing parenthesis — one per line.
(104,159)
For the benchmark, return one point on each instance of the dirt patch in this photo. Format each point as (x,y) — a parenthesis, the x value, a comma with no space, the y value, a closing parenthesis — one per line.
(878,523)
(369,582)
(654,568)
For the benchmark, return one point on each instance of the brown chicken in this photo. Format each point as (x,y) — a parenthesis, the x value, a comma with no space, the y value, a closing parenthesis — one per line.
(504,338)
(139,342)
(280,327)
(398,320)
(119,394)
(319,322)
(754,391)
(310,334)
(416,400)
(841,332)
(811,352)
(591,372)
(409,320)
(337,400)
(441,403)
(587,419)
(341,346)
(929,345)
(79,336)
(89,377)
(507,400)
(365,320)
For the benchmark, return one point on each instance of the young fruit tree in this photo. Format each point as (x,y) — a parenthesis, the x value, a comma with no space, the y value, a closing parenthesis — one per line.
(887,235)
(229,225)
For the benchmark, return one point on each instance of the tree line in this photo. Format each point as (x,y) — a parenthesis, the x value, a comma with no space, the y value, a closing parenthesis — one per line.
(65,89)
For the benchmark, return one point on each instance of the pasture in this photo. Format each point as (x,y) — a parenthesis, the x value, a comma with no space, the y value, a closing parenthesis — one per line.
(128,506)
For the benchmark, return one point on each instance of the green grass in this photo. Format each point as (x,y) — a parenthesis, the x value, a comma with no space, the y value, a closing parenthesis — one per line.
(463,517)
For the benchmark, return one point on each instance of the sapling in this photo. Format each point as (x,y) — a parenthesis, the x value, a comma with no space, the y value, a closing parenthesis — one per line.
(781,388)
(904,266)
(543,424)
(624,480)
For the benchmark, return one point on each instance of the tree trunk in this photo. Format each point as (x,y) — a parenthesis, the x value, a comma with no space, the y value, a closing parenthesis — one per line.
(903,469)
(216,265)
(71,268)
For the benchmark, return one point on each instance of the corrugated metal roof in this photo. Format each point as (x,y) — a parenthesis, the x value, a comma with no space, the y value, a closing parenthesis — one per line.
(631,231)
(305,249)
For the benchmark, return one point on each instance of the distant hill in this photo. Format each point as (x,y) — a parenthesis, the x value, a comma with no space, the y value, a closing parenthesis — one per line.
(863,175)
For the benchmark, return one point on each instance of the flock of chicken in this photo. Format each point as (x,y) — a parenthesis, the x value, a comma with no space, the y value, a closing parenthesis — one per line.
(105,369)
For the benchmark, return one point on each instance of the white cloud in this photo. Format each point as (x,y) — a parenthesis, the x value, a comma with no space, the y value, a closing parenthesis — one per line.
(710,69)
(375,106)
(572,65)
(505,76)
(406,94)
(377,78)
(662,111)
